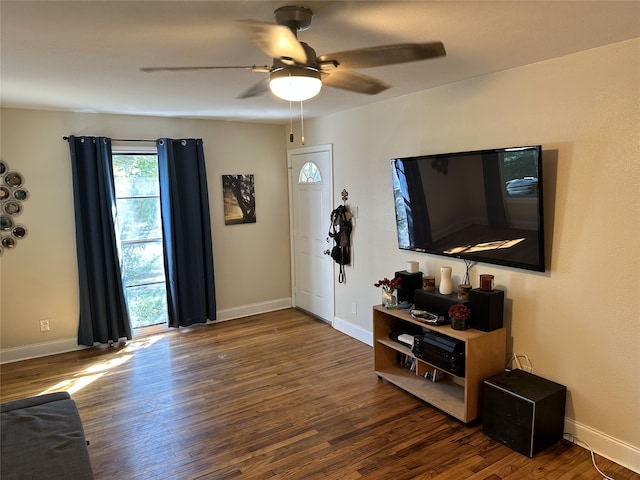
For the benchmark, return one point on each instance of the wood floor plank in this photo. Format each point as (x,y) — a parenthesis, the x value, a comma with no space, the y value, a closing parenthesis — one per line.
(274,396)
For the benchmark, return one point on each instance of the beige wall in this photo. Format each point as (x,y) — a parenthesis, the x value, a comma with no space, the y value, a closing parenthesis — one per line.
(579,322)
(39,278)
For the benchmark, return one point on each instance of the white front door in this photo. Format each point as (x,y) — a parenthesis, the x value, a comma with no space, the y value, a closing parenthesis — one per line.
(311,187)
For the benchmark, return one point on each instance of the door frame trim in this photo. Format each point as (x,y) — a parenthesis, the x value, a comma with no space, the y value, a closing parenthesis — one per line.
(324,148)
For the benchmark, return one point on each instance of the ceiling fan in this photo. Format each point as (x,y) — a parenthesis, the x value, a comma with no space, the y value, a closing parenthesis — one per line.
(297,74)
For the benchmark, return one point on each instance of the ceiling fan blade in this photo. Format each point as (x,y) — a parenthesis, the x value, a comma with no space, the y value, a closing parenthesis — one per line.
(354,82)
(257,89)
(277,41)
(383,55)
(253,68)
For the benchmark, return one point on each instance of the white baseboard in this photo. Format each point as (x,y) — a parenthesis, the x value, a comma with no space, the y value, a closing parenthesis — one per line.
(35,350)
(253,309)
(605,445)
(359,333)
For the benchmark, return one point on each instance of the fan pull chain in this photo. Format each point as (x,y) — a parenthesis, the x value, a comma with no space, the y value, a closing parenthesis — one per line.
(290,122)
(302,123)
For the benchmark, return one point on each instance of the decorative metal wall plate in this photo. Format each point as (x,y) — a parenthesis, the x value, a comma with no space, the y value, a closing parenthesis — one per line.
(12,194)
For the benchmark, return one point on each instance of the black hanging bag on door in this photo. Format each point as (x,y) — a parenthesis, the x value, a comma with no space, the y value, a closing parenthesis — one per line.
(340,231)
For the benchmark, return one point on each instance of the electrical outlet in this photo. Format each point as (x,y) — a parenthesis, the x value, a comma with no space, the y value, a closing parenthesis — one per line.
(354,308)
(45,326)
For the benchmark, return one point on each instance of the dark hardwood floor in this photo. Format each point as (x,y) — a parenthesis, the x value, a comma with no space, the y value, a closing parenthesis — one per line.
(280,395)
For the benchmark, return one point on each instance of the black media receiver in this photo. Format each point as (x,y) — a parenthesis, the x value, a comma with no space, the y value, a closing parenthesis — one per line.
(441,351)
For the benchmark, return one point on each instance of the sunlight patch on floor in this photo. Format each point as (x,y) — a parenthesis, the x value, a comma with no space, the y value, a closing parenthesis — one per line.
(98,369)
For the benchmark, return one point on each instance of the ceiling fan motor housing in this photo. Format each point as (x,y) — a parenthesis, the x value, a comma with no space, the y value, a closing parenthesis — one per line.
(296,18)
(311,62)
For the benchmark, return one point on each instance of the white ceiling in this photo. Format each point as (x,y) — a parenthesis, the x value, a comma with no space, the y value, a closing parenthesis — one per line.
(85,55)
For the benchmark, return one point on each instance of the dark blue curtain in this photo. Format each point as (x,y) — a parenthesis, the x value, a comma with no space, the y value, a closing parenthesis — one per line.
(186,226)
(103,310)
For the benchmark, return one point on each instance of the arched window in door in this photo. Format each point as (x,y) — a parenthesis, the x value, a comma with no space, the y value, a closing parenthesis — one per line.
(309,173)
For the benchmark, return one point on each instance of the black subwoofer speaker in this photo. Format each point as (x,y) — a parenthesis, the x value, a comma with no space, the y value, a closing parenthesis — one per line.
(523,411)
(408,285)
(487,309)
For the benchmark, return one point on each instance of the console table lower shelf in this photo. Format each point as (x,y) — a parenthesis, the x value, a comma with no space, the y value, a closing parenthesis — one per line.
(458,396)
(445,394)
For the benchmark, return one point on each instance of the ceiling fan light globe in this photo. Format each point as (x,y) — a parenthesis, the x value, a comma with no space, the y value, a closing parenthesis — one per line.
(295,88)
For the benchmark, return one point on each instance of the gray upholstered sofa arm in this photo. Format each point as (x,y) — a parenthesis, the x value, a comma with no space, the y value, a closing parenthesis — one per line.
(42,437)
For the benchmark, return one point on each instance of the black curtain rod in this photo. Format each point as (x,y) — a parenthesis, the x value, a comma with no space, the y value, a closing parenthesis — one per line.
(122,140)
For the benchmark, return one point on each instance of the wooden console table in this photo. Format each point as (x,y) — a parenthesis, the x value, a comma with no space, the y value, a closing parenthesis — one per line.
(460,397)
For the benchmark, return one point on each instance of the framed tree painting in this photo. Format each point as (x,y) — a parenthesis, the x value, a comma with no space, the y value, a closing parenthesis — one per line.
(239,199)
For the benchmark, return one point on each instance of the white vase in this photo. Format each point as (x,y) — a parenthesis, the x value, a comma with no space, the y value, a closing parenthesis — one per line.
(445,281)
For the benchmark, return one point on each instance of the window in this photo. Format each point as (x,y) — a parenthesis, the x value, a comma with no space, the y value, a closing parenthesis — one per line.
(138,208)
(309,173)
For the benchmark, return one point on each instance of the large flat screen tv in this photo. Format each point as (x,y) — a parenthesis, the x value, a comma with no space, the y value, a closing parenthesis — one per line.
(483,206)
